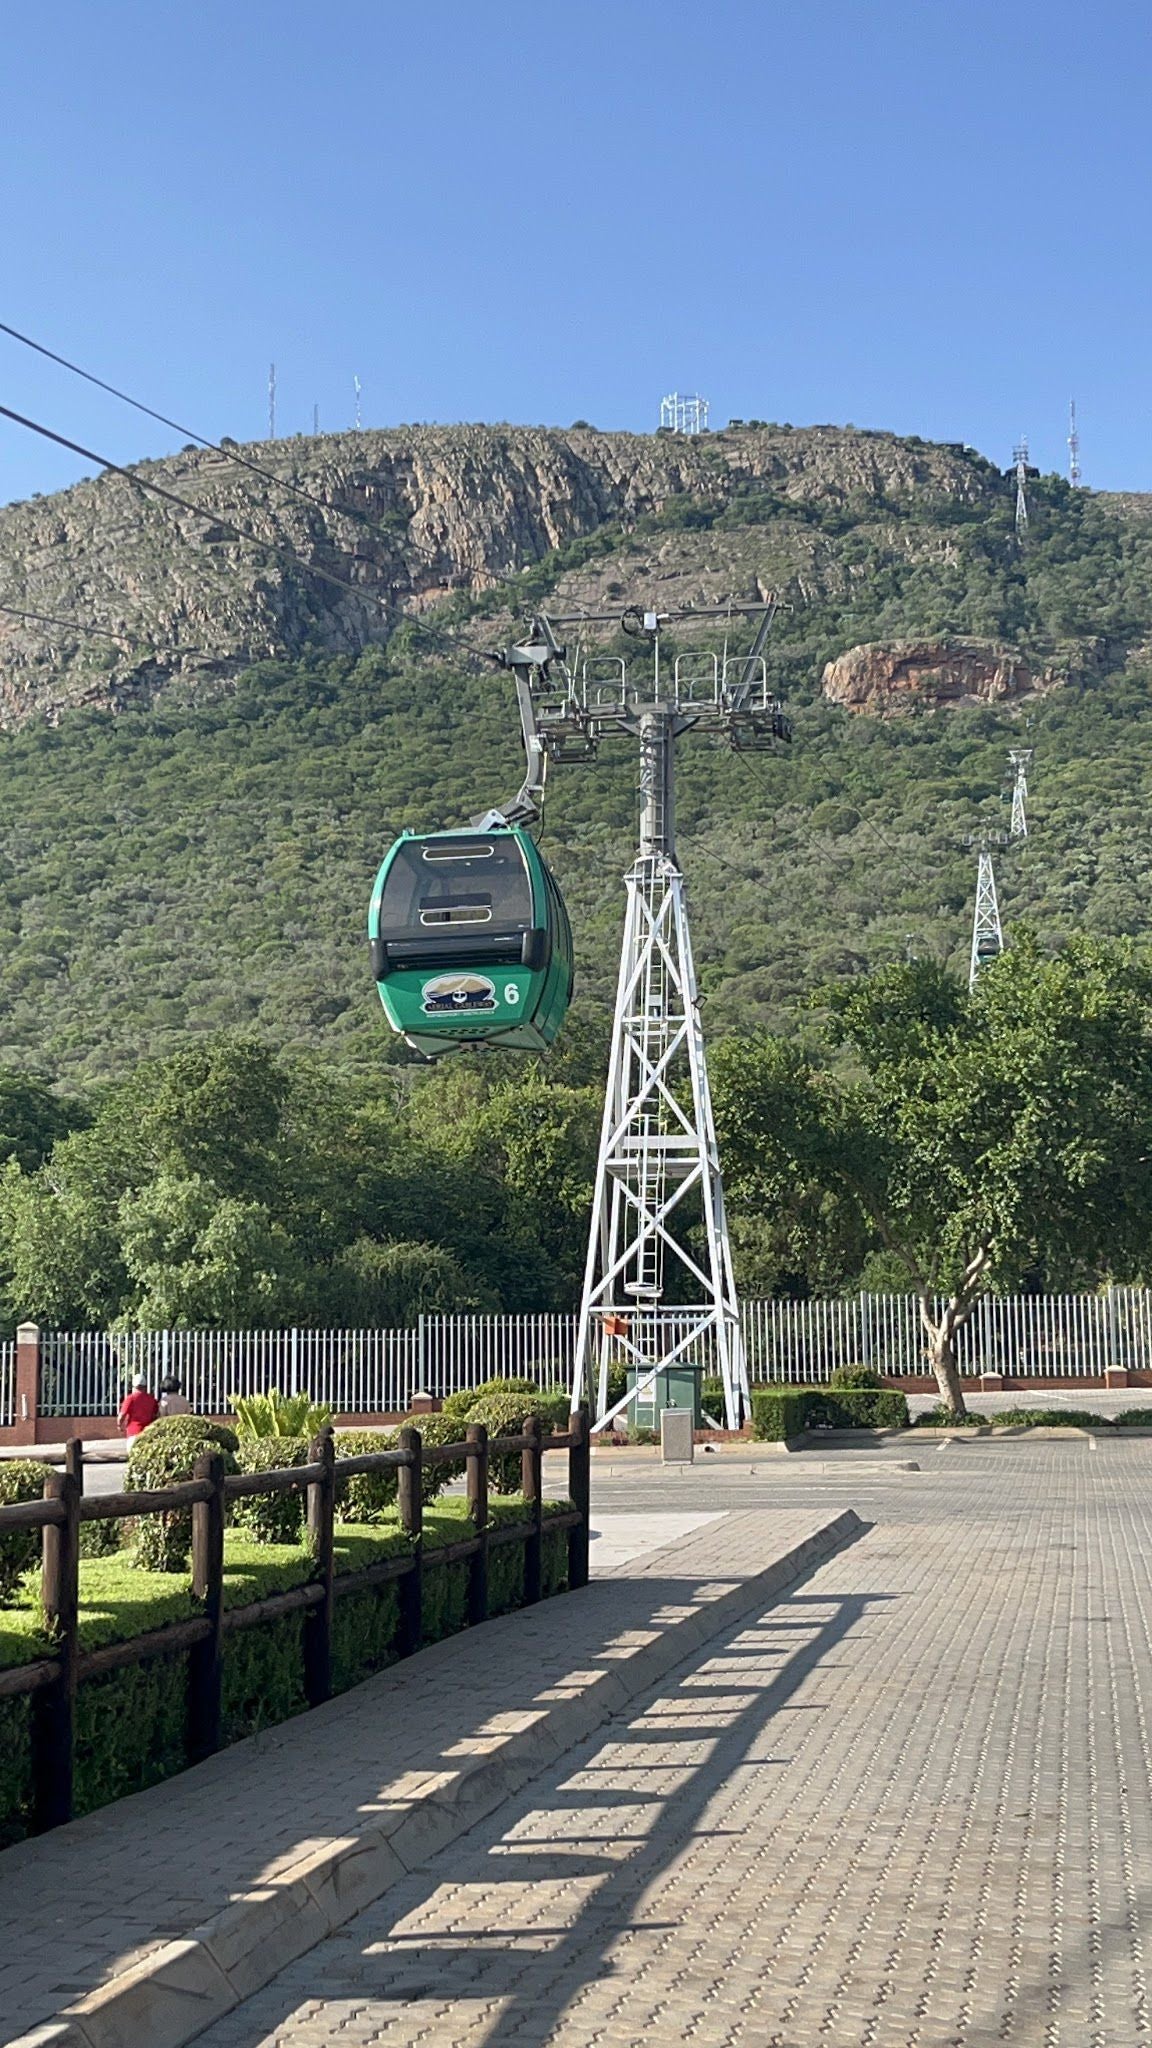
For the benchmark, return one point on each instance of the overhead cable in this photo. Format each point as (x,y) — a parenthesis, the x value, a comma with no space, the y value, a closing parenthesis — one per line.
(211,518)
(72,625)
(216,447)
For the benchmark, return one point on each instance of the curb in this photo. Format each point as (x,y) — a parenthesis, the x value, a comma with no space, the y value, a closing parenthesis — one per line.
(184,1986)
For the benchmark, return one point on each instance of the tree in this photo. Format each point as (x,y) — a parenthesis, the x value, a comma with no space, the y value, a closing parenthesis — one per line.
(31,1119)
(972,1135)
(196,1258)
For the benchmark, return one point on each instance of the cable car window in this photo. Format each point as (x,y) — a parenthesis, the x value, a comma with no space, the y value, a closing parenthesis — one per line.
(456,883)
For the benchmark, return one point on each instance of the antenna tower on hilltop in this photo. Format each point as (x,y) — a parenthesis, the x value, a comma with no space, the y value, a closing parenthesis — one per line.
(271,401)
(685,415)
(357,387)
(1073,447)
(1018,760)
(661,1304)
(1020,458)
(987,937)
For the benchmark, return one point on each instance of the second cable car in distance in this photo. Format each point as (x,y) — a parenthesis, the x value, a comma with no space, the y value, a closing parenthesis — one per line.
(470,941)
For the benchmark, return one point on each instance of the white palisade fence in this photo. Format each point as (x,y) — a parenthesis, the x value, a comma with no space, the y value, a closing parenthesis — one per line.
(373,1372)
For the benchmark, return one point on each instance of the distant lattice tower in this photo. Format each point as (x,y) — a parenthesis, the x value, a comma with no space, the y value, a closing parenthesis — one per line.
(1020,458)
(685,414)
(987,936)
(1019,759)
(1073,447)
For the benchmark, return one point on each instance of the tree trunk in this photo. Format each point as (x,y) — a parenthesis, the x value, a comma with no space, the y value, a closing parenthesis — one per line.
(942,1352)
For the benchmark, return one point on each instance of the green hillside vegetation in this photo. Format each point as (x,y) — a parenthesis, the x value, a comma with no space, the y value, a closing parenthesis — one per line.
(205,865)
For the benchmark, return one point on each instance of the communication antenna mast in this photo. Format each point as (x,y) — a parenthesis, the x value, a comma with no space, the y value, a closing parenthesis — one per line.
(356,388)
(1020,458)
(1018,760)
(271,401)
(658,1302)
(987,935)
(315,419)
(685,415)
(1073,447)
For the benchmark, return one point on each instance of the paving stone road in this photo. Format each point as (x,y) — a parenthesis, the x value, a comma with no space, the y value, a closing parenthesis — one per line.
(907,1807)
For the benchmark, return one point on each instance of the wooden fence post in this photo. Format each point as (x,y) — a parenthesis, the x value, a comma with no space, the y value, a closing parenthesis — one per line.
(477,1435)
(580,1494)
(410,1497)
(321,1521)
(205,1659)
(54,1707)
(74,1459)
(531,1486)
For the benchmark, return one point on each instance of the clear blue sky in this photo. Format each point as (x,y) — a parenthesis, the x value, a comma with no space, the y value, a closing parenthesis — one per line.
(929,215)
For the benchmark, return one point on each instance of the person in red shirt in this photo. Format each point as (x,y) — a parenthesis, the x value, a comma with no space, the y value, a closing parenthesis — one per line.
(137,1409)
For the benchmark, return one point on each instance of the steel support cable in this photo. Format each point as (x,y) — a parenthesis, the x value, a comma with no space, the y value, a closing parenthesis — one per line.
(71,625)
(139,483)
(216,447)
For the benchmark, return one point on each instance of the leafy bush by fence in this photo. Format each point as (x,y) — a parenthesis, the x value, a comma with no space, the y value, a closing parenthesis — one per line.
(781,1412)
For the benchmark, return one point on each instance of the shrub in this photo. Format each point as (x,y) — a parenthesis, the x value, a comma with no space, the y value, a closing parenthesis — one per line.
(460,1405)
(438,1429)
(365,1496)
(20,1479)
(712,1396)
(505,1415)
(276,1414)
(777,1413)
(856,1408)
(941,1417)
(271,1517)
(102,1539)
(1134,1418)
(856,1376)
(161,1455)
(1048,1418)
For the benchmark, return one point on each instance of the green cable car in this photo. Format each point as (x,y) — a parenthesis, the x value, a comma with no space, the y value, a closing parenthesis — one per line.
(470,941)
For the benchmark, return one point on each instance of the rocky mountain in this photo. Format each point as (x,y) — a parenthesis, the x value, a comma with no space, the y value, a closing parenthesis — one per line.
(360,529)
(296,677)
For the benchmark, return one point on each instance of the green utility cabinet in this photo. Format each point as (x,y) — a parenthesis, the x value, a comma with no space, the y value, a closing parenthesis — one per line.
(678,1386)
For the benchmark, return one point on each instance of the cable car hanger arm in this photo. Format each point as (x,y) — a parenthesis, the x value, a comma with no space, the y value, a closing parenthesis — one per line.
(528,803)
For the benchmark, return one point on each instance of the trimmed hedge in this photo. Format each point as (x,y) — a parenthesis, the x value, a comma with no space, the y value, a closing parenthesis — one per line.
(461,1404)
(20,1479)
(369,1497)
(271,1517)
(130,1724)
(777,1413)
(161,1455)
(781,1412)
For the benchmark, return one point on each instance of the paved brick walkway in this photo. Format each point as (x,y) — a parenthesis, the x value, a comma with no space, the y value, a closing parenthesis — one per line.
(908,1807)
(82,1904)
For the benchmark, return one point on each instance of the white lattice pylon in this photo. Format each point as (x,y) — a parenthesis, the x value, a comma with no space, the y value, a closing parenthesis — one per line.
(655,1152)
(987,937)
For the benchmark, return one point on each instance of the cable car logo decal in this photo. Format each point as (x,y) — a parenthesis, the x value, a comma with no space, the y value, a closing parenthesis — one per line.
(456,993)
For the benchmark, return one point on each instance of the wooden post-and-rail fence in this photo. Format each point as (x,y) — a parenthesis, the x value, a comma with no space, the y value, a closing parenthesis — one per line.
(52,1681)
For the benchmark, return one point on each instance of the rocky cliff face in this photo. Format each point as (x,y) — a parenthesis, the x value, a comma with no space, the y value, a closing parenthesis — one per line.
(398,520)
(883,680)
